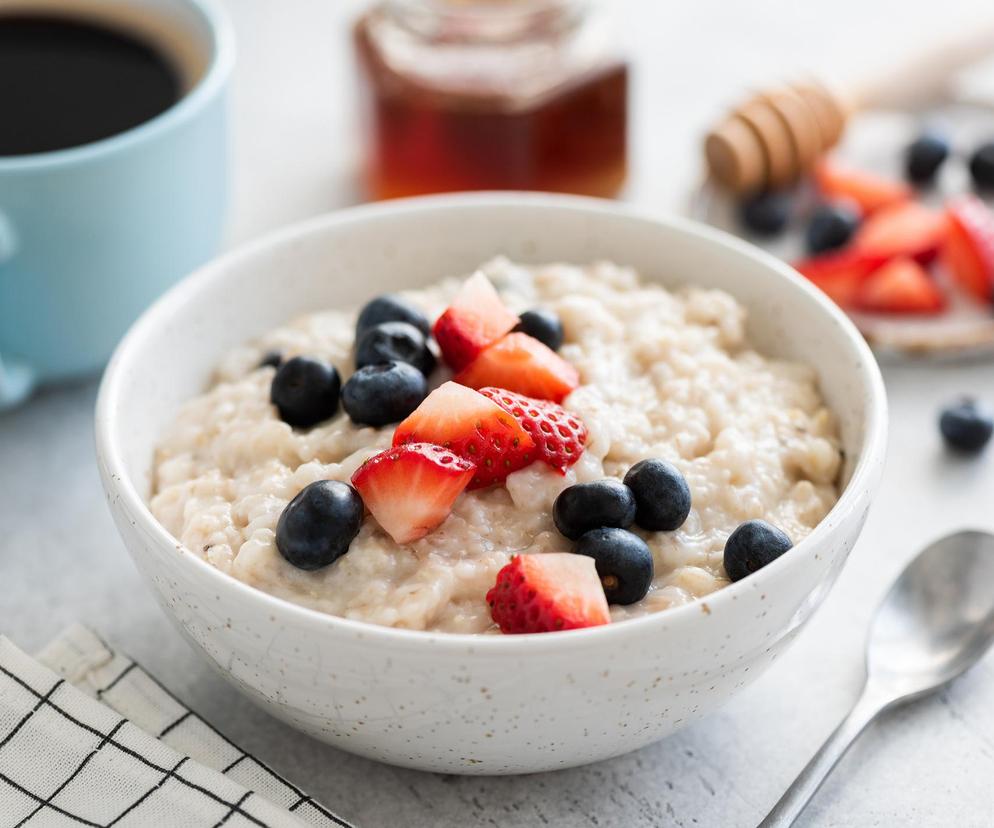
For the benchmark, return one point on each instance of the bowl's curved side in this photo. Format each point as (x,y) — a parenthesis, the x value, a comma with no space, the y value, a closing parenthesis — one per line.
(460,703)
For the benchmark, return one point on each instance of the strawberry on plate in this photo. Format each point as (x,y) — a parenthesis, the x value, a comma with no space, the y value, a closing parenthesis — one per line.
(559,435)
(547,592)
(410,489)
(521,363)
(839,274)
(474,427)
(900,286)
(968,252)
(476,318)
(868,191)
(905,229)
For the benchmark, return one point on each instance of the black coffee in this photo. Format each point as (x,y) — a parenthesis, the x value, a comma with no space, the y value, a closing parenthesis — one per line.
(65,82)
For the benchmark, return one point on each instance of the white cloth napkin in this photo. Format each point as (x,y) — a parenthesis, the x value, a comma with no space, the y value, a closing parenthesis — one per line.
(87,737)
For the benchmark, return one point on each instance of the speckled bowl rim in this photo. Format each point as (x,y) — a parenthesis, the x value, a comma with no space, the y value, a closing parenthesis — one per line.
(184,294)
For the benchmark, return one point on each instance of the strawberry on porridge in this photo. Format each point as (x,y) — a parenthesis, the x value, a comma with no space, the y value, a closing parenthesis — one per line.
(531,449)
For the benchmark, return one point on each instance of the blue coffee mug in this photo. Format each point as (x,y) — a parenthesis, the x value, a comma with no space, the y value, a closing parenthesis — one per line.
(90,235)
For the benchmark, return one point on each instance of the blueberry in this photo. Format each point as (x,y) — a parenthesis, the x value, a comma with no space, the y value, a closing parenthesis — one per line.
(271,359)
(752,546)
(831,226)
(389,308)
(587,506)
(982,166)
(765,214)
(376,395)
(662,496)
(394,342)
(623,562)
(966,425)
(543,325)
(318,525)
(305,391)
(924,156)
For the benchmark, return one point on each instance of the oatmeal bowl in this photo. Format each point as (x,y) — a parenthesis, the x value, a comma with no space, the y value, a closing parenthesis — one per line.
(491,483)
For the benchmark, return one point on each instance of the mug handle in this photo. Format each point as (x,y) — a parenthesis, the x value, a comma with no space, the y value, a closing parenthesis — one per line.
(17,380)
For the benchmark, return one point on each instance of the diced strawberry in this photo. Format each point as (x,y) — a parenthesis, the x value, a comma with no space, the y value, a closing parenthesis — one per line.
(868,191)
(968,252)
(900,286)
(521,363)
(559,435)
(546,592)
(475,319)
(410,489)
(906,229)
(838,274)
(474,427)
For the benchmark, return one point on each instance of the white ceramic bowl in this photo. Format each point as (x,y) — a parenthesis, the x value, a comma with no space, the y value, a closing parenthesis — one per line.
(459,703)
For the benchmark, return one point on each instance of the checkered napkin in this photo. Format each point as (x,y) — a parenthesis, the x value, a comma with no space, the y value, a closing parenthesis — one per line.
(87,737)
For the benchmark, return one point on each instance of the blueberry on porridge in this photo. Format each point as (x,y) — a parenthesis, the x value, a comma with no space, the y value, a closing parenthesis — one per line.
(531,449)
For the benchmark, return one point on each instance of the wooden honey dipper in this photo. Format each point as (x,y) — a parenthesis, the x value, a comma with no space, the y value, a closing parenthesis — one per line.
(774,137)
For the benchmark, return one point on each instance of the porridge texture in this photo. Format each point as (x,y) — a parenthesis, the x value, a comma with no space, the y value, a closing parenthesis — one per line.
(663,374)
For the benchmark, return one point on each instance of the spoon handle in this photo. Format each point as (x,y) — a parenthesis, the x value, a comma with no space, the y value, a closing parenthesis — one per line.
(797,796)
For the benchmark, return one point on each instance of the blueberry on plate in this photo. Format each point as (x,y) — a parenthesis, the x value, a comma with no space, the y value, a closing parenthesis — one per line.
(586,506)
(394,342)
(623,561)
(305,391)
(542,325)
(662,496)
(982,166)
(271,359)
(924,156)
(752,546)
(966,425)
(830,227)
(390,308)
(377,395)
(318,525)
(765,214)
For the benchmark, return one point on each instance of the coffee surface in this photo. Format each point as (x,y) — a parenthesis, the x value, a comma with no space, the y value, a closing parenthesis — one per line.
(66,82)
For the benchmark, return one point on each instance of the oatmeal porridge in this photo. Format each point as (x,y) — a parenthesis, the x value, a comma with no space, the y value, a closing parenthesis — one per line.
(639,372)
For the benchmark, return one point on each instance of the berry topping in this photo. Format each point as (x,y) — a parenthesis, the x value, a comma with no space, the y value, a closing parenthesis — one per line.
(623,561)
(523,364)
(924,156)
(548,592)
(394,342)
(909,229)
(472,426)
(389,308)
(868,191)
(271,359)
(318,525)
(968,250)
(662,496)
(543,325)
(966,425)
(476,319)
(900,286)
(586,506)
(765,214)
(982,166)
(410,489)
(752,546)
(559,435)
(305,391)
(377,395)
(839,274)
(831,226)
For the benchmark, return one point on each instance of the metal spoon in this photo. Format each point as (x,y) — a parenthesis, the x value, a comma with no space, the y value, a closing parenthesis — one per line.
(935,623)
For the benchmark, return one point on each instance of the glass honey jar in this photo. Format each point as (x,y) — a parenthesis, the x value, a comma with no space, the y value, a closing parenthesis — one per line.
(491,95)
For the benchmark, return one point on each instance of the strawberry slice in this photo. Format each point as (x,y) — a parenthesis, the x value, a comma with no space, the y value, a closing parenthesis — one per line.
(559,435)
(521,363)
(906,229)
(868,191)
(838,274)
(410,489)
(900,286)
(472,426)
(475,319)
(968,252)
(547,592)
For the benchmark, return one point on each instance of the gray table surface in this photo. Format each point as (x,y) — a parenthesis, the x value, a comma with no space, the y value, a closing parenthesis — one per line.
(931,763)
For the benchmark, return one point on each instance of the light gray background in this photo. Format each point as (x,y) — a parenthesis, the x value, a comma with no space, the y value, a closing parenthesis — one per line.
(929,764)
